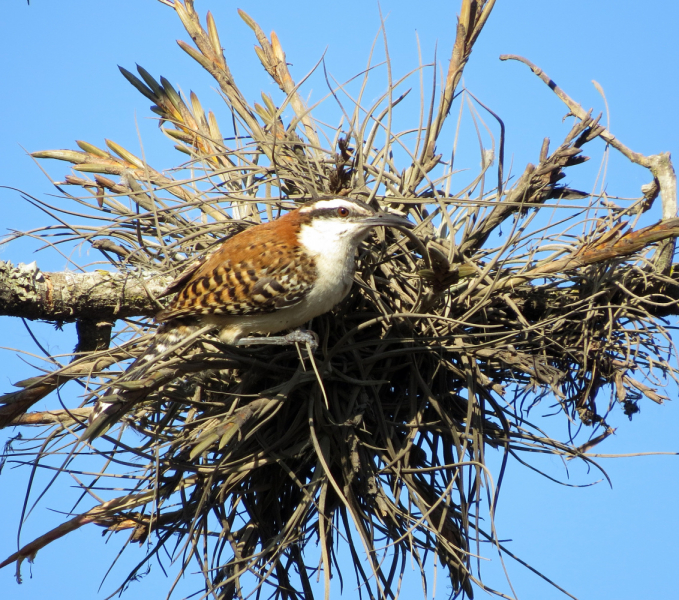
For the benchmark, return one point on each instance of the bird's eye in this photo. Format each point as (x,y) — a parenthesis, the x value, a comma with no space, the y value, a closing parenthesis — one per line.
(343,211)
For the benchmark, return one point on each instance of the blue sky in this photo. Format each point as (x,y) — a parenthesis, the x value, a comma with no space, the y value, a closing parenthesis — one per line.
(58,62)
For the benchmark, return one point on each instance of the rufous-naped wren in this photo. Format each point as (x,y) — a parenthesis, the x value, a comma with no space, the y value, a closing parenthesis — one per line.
(268,278)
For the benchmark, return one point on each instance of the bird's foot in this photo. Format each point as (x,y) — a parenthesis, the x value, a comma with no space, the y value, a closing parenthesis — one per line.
(302,336)
(299,336)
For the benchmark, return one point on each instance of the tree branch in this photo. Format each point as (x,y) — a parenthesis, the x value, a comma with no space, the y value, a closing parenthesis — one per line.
(27,292)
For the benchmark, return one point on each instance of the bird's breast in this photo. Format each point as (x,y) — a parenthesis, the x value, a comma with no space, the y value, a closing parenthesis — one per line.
(332,246)
(334,277)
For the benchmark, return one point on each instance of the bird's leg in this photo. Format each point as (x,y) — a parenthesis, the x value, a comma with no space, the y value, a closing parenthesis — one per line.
(299,336)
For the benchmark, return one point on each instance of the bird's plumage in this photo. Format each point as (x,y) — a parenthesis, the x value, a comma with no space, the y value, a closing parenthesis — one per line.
(256,271)
(268,278)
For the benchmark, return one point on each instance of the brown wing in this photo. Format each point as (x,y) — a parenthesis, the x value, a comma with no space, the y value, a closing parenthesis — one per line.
(190,268)
(179,281)
(252,273)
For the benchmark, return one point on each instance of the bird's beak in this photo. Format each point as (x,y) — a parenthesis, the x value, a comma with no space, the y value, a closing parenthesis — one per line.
(389,220)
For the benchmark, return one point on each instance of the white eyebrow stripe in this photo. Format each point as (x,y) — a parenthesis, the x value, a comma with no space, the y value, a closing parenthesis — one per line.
(328,204)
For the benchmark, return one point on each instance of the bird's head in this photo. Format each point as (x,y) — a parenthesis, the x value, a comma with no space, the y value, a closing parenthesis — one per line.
(331,221)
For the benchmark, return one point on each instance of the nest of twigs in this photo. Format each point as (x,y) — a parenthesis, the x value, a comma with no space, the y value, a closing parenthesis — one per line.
(249,459)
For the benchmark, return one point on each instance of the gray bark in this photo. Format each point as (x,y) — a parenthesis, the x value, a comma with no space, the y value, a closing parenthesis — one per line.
(27,292)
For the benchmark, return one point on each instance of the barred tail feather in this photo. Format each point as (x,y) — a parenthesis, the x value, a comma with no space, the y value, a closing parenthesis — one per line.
(106,414)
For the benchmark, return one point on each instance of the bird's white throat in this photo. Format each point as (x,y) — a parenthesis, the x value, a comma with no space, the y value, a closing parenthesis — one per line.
(333,243)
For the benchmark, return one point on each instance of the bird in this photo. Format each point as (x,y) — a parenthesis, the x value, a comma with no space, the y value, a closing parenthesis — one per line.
(271,277)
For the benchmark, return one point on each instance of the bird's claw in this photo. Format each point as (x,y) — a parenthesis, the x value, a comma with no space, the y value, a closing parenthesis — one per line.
(303,336)
(299,336)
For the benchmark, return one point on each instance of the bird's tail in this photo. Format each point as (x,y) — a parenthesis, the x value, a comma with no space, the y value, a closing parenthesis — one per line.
(169,337)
